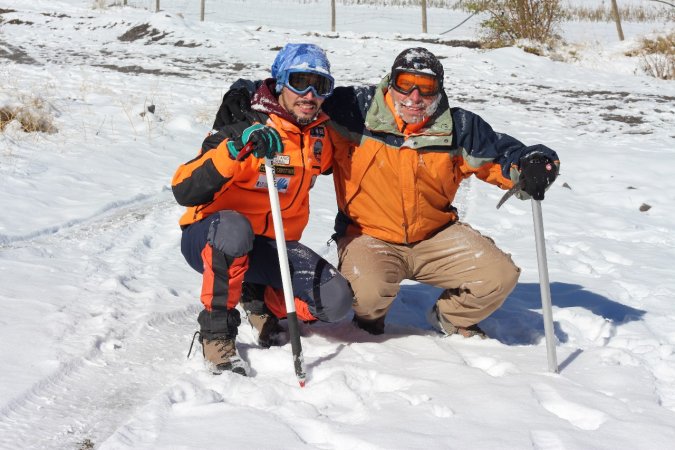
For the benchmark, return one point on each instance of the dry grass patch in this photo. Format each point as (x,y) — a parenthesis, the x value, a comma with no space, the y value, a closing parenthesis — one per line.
(628,13)
(32,117)
(657,56)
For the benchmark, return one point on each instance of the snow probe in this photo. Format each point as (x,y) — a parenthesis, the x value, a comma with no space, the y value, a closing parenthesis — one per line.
(544,285)
(293,328)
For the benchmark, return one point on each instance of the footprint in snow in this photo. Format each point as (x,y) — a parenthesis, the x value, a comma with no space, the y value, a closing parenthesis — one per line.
(578,415)
(436,410)
(491,366)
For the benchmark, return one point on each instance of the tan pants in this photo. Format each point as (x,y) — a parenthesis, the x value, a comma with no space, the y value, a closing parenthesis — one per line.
(476,275)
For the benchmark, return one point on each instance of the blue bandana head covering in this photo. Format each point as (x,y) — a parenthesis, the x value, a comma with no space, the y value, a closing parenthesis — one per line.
(300,58)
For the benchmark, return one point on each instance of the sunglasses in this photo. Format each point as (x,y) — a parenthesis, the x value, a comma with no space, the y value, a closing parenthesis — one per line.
(406,82)
(302,82)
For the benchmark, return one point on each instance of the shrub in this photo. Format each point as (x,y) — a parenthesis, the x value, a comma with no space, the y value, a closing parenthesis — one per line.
(99,4)
(512,20)
(657,57)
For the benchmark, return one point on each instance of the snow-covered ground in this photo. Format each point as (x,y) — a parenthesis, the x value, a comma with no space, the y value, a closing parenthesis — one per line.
(99,307)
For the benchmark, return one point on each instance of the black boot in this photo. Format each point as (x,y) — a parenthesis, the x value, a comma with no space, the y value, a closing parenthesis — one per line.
(263,322)
(372,326)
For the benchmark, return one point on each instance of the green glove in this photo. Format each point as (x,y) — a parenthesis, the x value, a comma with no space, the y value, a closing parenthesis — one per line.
(265,142)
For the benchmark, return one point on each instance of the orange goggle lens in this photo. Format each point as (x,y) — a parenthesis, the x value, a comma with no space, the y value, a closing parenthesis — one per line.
(406,82)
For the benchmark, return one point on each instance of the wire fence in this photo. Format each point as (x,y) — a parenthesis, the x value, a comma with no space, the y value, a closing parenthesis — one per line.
(440,17)
(425,16)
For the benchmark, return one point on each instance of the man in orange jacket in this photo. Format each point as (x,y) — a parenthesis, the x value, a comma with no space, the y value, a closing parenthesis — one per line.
(228,233)
(400,154)
(395,186)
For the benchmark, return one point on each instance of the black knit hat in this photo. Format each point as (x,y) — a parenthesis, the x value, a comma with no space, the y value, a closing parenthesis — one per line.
(418,59)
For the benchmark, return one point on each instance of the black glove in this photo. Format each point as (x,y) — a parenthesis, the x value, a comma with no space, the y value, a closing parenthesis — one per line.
(265,142)
(537,172)
(236,103)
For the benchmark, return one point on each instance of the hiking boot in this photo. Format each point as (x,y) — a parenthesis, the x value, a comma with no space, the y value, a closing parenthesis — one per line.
(261,319)
(222,353)
(448,329)
(267,326)
(372,326)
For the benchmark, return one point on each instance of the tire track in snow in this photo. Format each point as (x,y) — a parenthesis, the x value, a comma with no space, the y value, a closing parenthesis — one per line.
(120,212)
(90,396)
(129,352)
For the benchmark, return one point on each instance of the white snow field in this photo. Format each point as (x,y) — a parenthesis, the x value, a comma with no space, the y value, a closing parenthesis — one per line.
(98,306)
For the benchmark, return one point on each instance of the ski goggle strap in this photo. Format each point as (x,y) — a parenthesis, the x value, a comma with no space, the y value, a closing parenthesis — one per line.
(302,82)
(406,82)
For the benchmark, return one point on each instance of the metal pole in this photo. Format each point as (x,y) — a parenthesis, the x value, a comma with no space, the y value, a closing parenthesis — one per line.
(201,11)
(424,16)
(617,19)
(293,328)
(544,285)
(332,15)
(157,6)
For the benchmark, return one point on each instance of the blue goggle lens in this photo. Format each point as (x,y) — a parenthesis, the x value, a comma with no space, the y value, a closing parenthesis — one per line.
(303,82)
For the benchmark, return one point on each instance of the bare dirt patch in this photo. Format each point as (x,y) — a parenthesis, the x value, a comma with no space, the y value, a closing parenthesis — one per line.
(134,69)
(15,54)
(58,16)
(450,43)
(630,120)
(18,22)
(142,31)
(182,43)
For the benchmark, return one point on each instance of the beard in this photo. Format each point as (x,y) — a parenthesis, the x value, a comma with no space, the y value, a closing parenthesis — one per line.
(427,111)
(305,120)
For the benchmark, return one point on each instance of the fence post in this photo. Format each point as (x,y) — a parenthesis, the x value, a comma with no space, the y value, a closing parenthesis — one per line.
(424,16)
(201,11)
(332,15)
(617,19)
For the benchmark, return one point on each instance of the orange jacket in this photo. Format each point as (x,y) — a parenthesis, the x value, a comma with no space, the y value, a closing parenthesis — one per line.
(399,186)
(214,181)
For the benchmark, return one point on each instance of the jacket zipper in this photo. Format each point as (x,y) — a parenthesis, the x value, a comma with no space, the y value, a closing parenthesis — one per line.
(404,224)
(297,192)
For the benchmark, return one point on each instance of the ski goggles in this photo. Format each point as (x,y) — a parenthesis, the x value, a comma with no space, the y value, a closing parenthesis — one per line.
(301,83)
(406,82)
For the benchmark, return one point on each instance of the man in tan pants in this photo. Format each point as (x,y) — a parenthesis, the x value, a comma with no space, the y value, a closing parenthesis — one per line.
(404,154)
(476,275)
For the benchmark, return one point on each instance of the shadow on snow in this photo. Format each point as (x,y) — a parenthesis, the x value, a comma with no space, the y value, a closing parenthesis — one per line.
(519,321)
